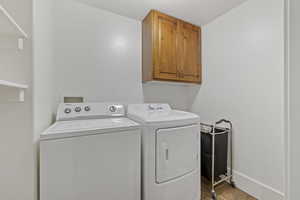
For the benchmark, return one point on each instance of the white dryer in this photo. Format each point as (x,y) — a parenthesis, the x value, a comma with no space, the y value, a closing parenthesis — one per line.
(170,152)
(91,152)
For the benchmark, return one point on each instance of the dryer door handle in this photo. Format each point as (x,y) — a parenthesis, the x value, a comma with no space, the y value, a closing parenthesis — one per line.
(167,154)
(165,151)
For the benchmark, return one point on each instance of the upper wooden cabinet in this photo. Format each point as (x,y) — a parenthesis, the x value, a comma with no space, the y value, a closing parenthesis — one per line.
(171,49)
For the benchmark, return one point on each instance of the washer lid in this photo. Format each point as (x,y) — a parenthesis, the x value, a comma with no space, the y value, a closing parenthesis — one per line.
(156,113)
(62,129)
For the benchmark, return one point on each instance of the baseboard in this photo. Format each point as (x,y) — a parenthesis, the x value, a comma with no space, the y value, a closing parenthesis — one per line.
(256,188)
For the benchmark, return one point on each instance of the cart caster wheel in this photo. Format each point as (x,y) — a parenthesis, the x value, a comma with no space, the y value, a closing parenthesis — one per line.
(213,195)
(232,184)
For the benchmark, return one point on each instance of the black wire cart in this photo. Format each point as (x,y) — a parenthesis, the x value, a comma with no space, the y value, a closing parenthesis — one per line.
(215,132)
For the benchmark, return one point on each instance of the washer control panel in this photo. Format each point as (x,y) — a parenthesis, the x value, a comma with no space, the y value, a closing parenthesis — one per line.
(68,111)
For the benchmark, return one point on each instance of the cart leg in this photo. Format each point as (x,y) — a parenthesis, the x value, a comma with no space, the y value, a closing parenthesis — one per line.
(231,157)
(213,192)
(213,195)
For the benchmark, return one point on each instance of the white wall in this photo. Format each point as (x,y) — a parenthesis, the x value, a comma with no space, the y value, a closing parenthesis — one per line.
(43,65)
(294,99)
(97,55)
(243,54)
(16,135)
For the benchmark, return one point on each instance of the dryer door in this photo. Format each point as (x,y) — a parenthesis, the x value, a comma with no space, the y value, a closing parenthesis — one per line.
(177,152)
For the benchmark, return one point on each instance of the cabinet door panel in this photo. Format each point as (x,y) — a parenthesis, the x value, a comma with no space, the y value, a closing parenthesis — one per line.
(190,69)
(166,52)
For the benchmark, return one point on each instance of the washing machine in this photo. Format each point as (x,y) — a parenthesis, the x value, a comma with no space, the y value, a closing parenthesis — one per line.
(92,151)
(170,152)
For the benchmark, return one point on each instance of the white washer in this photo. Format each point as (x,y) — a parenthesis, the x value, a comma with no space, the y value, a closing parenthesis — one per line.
(170,152)
(91,152)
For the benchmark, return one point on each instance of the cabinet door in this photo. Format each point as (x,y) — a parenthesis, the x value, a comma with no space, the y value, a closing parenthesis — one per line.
(190,55)
(165,48)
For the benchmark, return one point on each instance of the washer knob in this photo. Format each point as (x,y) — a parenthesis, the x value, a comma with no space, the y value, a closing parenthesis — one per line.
(87,108)
(112,108)
(77,109)
(68,110)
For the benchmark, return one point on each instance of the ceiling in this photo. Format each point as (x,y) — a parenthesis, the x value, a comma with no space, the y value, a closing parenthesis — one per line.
(198,12)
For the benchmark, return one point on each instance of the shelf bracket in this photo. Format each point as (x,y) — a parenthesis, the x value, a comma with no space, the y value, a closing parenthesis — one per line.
(13,22)
(20,43)
(12,92)
(13,30)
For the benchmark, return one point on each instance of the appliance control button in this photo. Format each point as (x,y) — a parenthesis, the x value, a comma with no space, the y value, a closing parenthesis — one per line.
(87,108)
(151,107)
(113,109)
(68,110)
(77,109)
(159,108)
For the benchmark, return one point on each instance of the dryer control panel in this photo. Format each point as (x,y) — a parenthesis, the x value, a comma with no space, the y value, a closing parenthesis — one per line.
(149,108)
(70,111)
(158,107)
